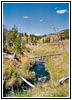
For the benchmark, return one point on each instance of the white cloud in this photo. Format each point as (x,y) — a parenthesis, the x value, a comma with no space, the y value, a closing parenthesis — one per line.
(35,34)
(61,11)
(25,17)
(41,20)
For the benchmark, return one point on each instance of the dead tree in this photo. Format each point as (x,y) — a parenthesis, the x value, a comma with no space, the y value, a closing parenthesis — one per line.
(8,56)
(31,85)
(59,37)
(61,81)
(46,56)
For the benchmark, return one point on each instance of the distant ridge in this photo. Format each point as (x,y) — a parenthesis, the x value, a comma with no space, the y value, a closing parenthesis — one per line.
(62,31)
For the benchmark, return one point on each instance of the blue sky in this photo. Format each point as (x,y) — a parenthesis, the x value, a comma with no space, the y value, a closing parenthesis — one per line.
(36,17)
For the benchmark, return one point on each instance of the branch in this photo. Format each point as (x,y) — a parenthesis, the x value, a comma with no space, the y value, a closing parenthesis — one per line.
(61,81)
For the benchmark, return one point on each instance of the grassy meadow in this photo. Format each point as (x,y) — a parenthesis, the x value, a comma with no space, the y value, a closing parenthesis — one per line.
(57,66)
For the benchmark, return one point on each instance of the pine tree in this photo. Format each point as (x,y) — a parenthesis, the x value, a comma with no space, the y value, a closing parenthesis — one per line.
(15,29)
(17,45)
(4,42)
(26,34)
(12,37)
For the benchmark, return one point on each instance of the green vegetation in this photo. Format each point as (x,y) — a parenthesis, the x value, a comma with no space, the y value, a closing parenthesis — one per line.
(13,70)
(12,36)
(17,45)
(29,46)
(58,67)
(65,35)
(4,42)
(47,40)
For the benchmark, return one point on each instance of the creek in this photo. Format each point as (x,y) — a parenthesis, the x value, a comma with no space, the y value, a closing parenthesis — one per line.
(41,75)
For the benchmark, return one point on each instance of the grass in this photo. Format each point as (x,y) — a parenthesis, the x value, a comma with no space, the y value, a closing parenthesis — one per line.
(58,67)
(12,70)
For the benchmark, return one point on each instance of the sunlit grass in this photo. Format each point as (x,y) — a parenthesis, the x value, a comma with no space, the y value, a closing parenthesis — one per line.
(58,67)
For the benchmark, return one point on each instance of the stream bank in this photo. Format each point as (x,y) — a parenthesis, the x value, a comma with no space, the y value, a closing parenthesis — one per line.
(41,75)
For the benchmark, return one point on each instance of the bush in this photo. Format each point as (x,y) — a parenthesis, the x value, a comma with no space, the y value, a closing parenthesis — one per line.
(65,35)
(47,40)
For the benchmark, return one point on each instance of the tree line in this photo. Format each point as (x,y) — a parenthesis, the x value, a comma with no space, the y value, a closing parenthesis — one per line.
(13,39)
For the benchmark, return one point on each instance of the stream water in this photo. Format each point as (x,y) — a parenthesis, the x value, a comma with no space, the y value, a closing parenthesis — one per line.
(41,75)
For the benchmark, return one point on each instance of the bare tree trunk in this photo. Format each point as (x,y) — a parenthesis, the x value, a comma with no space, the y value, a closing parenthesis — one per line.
(31,85)
(61,81)
(59,37)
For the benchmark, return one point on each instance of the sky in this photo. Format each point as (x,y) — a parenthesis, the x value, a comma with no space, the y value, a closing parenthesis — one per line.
(36,17)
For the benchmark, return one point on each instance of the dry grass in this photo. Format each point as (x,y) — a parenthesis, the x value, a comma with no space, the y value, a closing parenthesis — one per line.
(12,70)
(58,67)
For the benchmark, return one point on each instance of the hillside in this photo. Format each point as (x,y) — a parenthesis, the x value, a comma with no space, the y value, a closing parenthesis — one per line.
(53,37)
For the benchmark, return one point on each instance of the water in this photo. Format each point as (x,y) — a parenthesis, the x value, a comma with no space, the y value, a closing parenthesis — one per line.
(40,73)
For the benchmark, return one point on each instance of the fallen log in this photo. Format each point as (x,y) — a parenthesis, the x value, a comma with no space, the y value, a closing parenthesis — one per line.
(61,81)
(8,56)
(31,85)
(45,56)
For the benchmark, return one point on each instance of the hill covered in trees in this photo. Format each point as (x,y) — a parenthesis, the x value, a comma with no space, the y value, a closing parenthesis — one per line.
(55,37)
